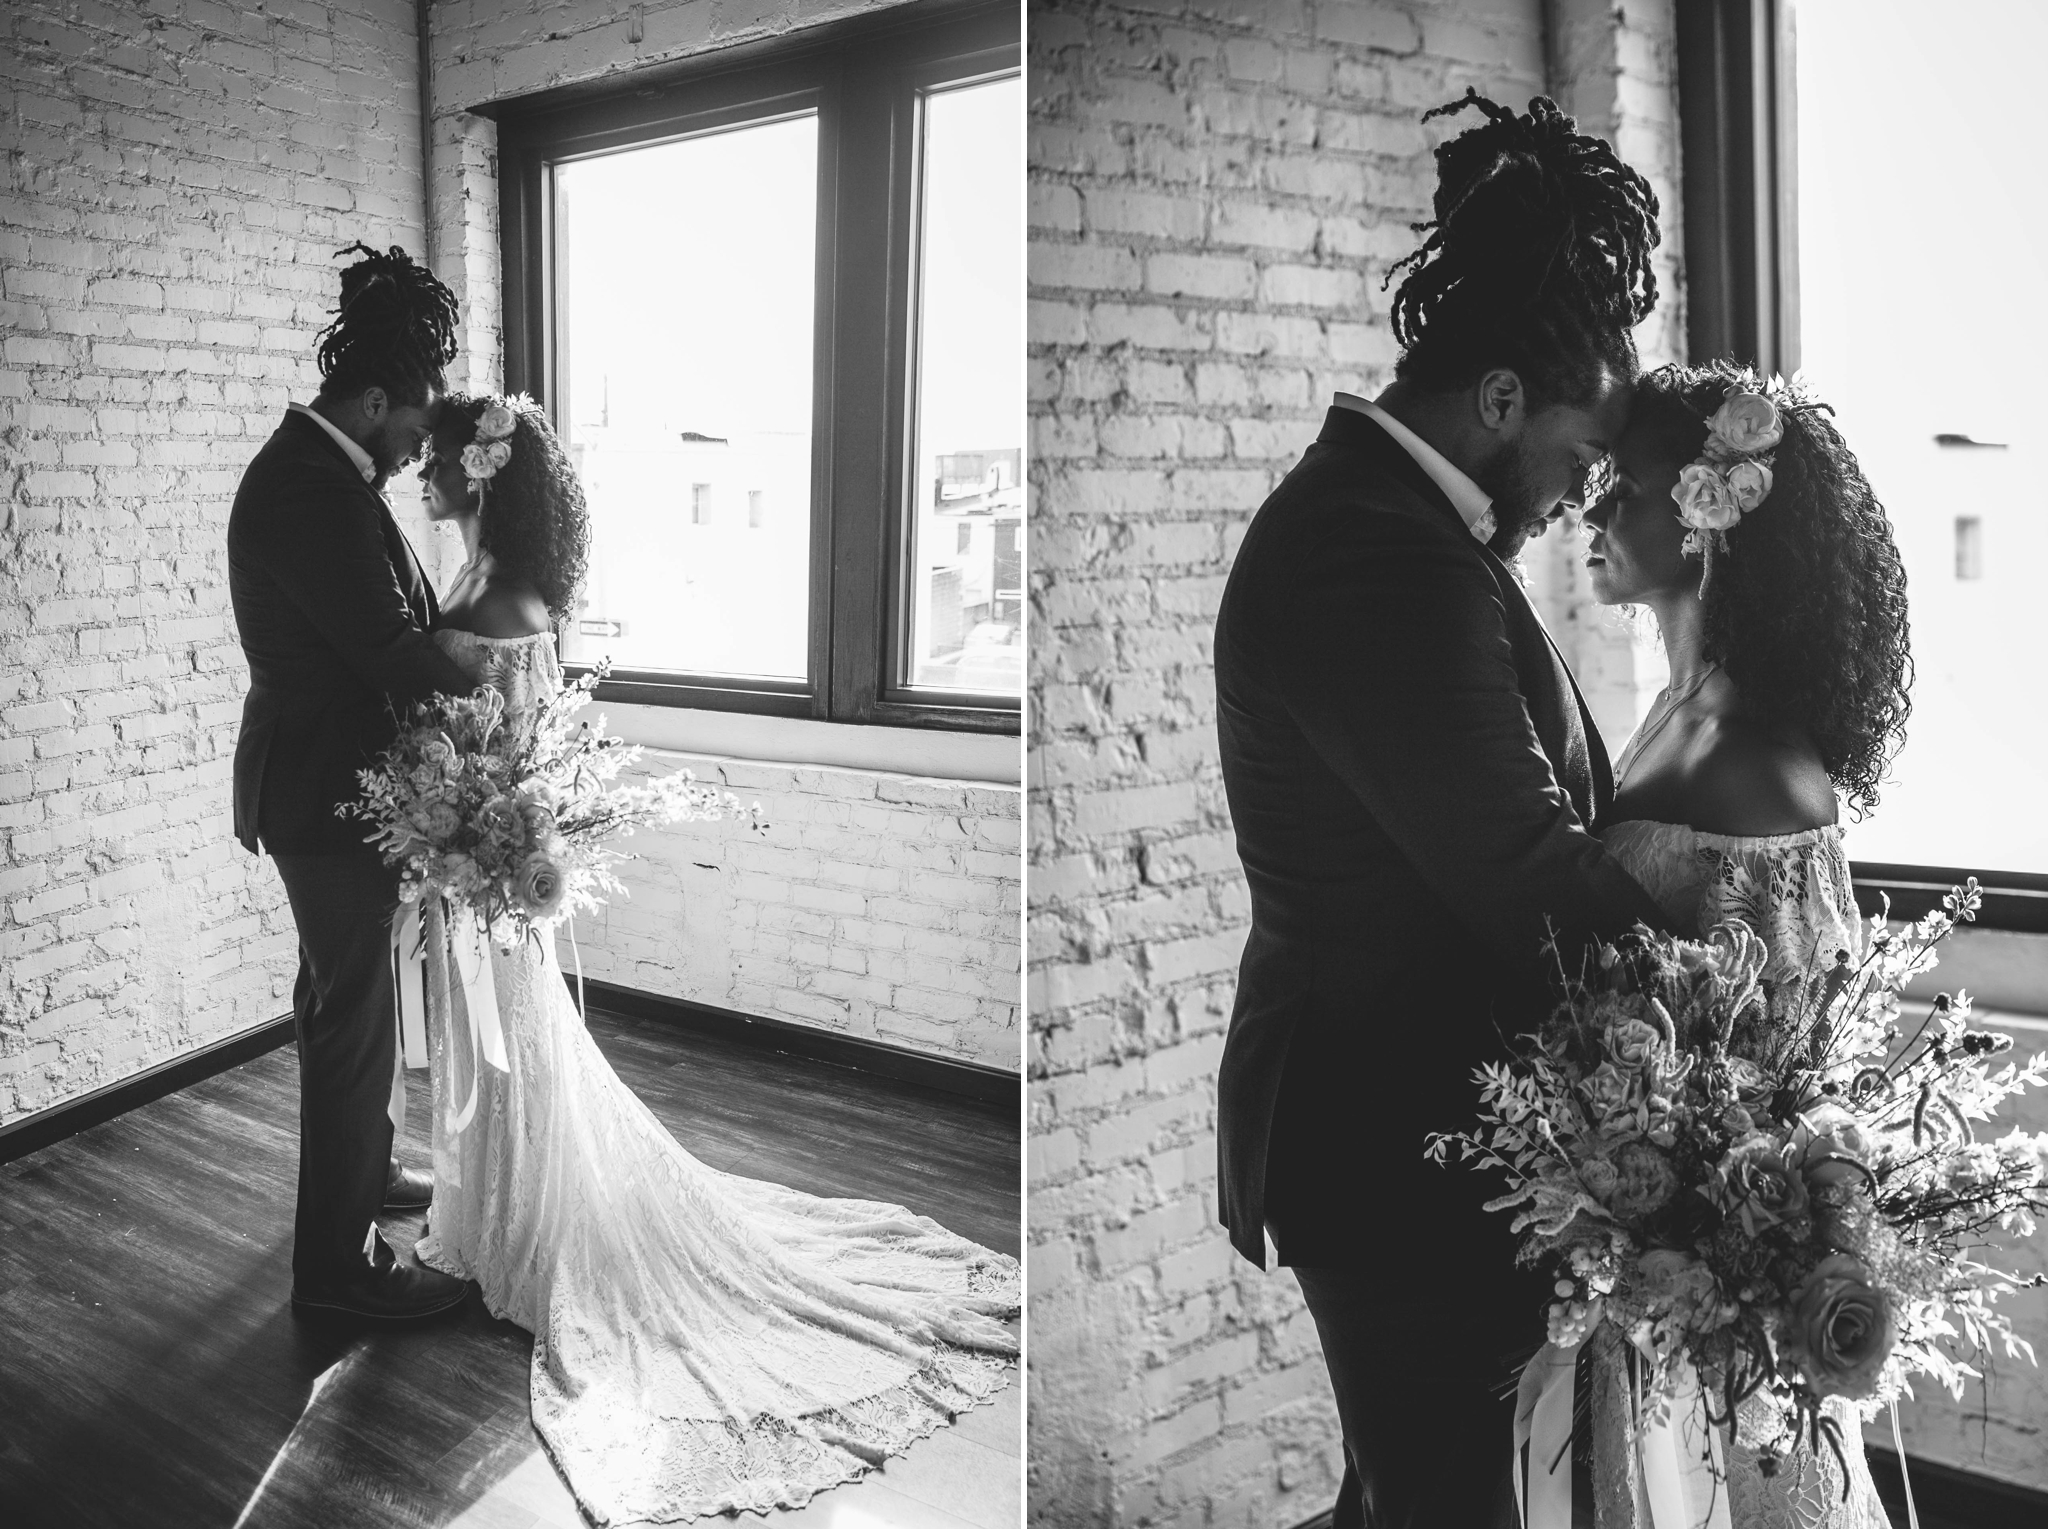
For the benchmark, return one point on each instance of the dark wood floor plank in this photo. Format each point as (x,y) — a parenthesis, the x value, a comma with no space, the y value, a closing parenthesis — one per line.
(152,1372)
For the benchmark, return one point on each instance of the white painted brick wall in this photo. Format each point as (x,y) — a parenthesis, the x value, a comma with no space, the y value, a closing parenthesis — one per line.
(1216,194)
(880,906)
(177,177)
(486,50)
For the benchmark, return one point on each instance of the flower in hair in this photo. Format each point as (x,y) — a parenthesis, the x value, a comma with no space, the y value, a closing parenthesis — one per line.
(1749,482)
(482,459)
(1706,499)
(492,448)
(1733,474)
(1746,425)
(496,421)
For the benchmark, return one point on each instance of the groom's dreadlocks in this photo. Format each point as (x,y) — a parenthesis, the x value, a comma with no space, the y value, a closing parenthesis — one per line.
(395,329)
(1538,258)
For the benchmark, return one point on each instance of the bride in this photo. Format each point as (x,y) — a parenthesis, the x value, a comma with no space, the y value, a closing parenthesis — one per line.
(703,1343)
(1781,602)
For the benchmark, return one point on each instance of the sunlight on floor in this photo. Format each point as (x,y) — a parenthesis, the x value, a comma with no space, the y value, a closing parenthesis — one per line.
(320,1383)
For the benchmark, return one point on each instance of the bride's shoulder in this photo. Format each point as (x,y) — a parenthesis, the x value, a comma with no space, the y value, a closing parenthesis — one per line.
(505,610)
(1749,780)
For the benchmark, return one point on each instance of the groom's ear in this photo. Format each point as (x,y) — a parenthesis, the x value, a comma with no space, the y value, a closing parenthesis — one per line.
(1501,402)
(375,404)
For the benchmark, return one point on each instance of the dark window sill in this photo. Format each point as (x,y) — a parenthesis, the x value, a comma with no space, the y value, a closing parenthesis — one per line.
(2014,901)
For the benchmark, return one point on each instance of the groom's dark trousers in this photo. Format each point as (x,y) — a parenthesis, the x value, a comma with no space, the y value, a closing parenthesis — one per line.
(1412,775)
(333,610)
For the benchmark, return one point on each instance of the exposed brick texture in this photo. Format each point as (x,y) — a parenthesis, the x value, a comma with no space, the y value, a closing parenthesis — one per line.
(881,906)
(1217,192)
(487,50)
(177,178)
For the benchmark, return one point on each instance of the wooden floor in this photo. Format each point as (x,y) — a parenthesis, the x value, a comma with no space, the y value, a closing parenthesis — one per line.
(152,1372)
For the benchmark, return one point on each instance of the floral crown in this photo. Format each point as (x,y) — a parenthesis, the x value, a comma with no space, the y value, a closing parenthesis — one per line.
(492,448)
(1733,475)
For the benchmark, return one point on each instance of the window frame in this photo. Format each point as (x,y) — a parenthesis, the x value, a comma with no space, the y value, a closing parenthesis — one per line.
(1739,152)
(955,73)
(863,78)
(1739,110)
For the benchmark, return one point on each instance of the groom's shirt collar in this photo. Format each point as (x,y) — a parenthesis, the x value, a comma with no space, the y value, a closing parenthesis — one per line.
(356,454)
(1473,504)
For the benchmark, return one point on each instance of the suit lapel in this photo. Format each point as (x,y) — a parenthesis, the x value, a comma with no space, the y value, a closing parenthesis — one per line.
(1360,432)
(1577,755)
(1597,765)
(405,563)
(412,576)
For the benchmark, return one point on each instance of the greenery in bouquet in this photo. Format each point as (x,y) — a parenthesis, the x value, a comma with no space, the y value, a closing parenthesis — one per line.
(517,823)
(1784,1195)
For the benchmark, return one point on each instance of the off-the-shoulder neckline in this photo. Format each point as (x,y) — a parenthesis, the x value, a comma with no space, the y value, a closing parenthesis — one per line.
(1799,840)
(506,642)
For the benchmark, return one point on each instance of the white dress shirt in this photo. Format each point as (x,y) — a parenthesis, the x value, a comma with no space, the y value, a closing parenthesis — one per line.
(356,454)
(1473,504)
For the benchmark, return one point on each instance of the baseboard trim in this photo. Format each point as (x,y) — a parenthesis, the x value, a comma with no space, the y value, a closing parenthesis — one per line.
(972,1080)
(45,1127)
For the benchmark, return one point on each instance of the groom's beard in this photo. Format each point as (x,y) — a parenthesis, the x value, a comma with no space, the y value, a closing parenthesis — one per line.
(1518,512)
(390,448)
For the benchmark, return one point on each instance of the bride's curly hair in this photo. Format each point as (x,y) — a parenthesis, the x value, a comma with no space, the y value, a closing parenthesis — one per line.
(1806,609)
(533,520)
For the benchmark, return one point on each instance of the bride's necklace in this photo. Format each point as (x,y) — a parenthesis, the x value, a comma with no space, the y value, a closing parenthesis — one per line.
(1662,710)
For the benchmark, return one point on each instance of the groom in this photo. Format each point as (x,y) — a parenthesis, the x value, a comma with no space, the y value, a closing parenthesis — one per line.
(1414,778)
(333,610)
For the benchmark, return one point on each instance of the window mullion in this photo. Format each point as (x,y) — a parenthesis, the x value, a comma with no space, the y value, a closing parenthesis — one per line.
(867,416)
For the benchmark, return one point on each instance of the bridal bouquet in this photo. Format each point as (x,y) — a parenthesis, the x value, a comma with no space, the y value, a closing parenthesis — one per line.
(1771,1210)
(516,823)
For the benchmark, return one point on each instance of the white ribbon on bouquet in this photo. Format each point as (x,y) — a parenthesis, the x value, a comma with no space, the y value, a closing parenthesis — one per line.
(1684,1467)
(1684,1471)
(468,948)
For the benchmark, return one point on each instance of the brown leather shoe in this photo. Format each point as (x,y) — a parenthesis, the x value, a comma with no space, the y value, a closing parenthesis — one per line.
(394,1293)
(408,1189)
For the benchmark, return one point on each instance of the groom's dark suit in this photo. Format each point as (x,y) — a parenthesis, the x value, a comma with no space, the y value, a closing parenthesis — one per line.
(1411,774)
(332,607)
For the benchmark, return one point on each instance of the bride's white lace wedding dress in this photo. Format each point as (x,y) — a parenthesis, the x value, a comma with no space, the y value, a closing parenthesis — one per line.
(1793,890)
(703,1343)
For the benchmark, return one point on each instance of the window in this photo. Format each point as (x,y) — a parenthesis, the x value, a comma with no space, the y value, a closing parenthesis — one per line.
(773,302)
(1800,257)
(1929,375)
(966,622)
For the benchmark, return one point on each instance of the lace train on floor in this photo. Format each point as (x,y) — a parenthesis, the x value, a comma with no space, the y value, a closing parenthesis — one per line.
(703,1343)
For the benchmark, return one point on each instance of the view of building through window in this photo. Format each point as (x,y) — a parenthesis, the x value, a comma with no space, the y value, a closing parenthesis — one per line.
(965,589)
(1923,317)
(685,272)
